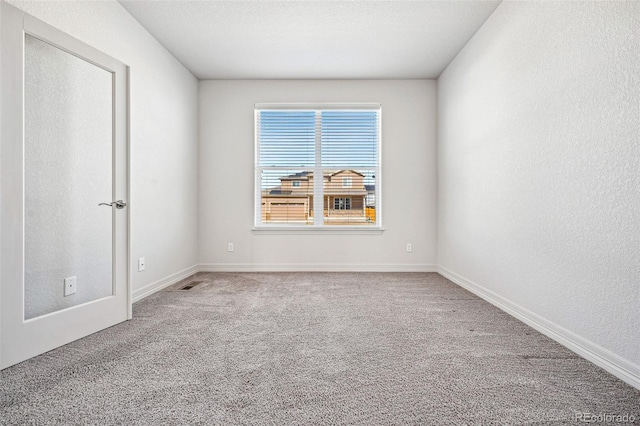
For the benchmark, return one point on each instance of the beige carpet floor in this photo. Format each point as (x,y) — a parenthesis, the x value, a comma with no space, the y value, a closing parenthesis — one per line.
(312,348)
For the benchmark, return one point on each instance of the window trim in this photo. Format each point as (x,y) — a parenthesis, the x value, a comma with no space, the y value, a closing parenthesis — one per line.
(317,170)
(316,230)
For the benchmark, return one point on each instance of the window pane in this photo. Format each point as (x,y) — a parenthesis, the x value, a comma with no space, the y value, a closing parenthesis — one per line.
(287,138)
(349,139)
(351,205)
(287,197)
(341,146)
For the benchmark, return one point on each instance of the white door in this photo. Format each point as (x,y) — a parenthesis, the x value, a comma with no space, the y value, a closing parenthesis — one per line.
(64,270)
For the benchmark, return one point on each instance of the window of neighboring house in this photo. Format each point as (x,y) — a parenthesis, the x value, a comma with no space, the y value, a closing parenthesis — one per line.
(334,149)
(342,204)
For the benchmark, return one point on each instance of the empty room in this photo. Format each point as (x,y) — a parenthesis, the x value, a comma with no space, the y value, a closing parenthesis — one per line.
(319,212)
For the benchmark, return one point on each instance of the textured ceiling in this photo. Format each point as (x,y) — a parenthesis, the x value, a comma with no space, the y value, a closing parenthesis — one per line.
(312,39)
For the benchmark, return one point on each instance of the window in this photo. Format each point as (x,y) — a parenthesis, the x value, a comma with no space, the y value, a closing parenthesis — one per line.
(317,166)
(342,203)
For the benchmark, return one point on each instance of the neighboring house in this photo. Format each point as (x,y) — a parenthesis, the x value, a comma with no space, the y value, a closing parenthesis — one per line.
(347,200)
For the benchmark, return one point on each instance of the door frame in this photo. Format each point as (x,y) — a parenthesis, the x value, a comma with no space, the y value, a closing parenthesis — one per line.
(88,317)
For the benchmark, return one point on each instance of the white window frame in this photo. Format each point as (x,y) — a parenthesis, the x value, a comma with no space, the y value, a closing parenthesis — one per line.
(295,184)
(347,182)
(318,208)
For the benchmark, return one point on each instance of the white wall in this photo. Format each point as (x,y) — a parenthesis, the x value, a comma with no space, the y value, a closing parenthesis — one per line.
(164,146)
(408,178)
(539,164)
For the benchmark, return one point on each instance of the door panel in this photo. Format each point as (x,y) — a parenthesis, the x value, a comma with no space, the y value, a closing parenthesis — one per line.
(64,150)
(67,163)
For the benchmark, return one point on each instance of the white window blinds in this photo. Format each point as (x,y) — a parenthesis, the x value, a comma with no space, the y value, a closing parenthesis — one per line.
(349,139)
(304,156)
(287,138)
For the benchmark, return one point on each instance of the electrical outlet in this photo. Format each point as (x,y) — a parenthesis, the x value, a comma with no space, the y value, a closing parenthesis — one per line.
(69,286)
(409,248)
(141,263)
(230,247)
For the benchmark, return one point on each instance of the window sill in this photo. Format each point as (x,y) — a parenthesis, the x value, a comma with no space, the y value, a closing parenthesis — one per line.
(317,230)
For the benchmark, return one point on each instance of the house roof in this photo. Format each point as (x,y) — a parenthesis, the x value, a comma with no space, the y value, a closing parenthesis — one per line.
(306,175)
(278,191)
(342,171)
(297,176)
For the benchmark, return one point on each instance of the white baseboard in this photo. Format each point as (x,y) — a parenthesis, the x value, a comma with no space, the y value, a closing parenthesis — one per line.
(149,289)
(315,267)
(614,364)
